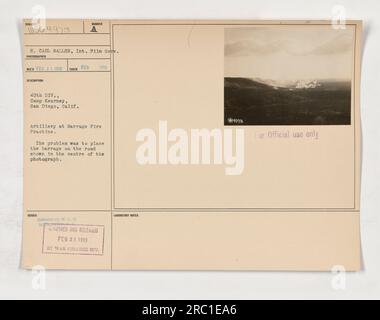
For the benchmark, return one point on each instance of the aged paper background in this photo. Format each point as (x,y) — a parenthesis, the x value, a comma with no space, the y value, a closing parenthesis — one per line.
(295,207)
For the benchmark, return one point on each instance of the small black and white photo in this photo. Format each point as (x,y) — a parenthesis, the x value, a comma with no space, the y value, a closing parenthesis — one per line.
(288,75)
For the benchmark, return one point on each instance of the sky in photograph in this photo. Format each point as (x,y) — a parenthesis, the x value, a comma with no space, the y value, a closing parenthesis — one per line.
(289,53)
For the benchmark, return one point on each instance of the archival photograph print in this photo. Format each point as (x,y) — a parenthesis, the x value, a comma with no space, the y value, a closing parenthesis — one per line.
(288,75)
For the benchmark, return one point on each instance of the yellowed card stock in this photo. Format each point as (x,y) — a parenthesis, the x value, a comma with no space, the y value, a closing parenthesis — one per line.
(191,145)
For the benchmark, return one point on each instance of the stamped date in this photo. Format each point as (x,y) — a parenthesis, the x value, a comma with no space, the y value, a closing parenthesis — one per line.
(73,239)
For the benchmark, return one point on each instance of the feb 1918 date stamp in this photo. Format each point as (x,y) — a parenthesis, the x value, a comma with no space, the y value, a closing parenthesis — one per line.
(73,239)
